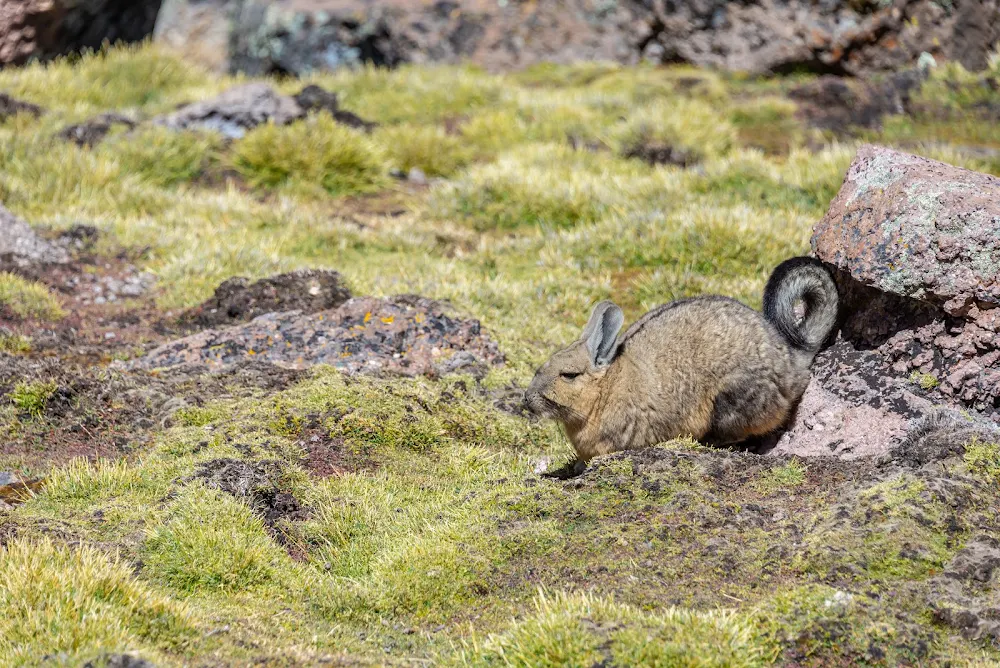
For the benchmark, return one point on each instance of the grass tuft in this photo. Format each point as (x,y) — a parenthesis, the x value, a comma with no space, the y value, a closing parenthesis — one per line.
(583,630)
(31,397)
(315,155)
(211,542)
(77,603)
(691,127)
(28,299)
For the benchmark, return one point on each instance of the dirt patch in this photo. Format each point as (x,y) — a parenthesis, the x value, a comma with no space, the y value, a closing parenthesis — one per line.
(239,300)
(10,106)
(91,133)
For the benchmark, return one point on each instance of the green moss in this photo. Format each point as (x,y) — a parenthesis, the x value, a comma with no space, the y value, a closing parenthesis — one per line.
(983,458)
(784,477)
(15,344)
(197,416)
(926,381)
(582,630)
(211,542)
(31,397)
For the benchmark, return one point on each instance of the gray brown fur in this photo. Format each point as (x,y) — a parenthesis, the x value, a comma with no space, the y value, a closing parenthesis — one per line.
(707,367)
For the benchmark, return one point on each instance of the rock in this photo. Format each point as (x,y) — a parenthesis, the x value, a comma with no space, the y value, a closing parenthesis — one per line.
(964,595)
(314,98)
(845,38)
(915,244)
(91,133)
(119,661)
(10,106)
(401,335)
(654,153)
(44,29)
(913,372)
(841,103)
(200,29)
(416,176)
(20,247)
(239,300)
(235,111)
(761,36)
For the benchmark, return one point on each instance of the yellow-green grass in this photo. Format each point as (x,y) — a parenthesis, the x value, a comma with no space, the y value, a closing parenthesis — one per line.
(28,299)
(432,543)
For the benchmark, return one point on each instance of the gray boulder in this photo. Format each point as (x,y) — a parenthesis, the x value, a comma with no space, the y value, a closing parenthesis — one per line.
(235,111)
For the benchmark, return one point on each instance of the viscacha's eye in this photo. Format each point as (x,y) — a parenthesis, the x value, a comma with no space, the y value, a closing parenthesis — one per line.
(569,375)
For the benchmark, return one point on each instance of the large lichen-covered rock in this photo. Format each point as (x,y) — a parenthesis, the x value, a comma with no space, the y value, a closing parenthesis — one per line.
(915,245)
(917,228)
(403,335)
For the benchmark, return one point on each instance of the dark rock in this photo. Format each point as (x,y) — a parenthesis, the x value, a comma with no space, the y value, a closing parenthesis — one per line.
(20,247)
(44,29)
(119,661)
(314,98)
(92,132)
(661,154)
(235,111)
(841,104)
(364,335)
(10,106)
(838,37)
(317,98)
(239,300)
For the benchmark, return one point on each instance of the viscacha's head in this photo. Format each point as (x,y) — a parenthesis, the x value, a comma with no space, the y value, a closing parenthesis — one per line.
(568,384)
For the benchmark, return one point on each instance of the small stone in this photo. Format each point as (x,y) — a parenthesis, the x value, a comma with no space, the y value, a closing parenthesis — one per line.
(417,176)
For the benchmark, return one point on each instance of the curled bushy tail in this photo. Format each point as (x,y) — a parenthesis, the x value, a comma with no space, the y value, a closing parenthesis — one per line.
(806,280)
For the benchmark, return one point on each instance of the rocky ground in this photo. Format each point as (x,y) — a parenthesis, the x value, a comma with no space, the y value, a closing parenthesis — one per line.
(262,345)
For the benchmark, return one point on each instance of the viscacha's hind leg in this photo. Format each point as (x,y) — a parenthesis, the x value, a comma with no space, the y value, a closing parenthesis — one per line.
(749,407)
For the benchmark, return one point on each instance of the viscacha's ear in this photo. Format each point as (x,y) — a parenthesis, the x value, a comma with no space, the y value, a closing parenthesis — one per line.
(601,333)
